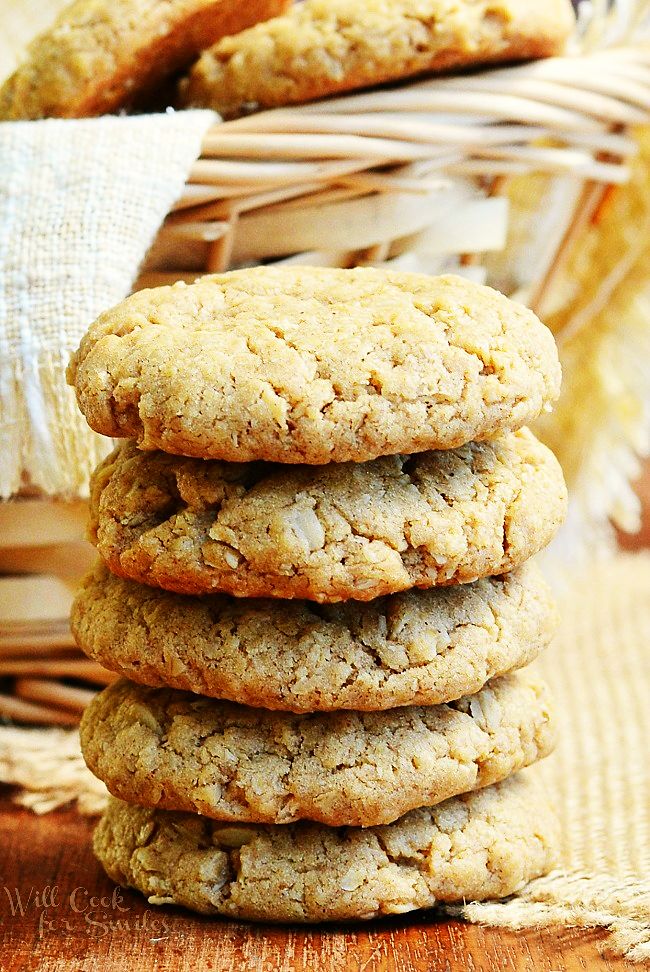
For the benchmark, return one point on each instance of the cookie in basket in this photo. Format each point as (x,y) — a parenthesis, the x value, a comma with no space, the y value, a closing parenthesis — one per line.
(314,365)
(326,533)
(322,47)
(100,55)
(486,844)
(414,648)
(179,751)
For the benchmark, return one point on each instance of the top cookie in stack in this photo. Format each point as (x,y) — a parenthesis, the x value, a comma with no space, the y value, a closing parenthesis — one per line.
(303,365)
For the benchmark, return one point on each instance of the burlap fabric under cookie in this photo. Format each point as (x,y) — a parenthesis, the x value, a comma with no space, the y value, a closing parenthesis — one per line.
(111,181)
(599,671)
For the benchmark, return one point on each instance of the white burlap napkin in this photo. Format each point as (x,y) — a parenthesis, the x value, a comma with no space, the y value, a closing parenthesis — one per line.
(80,204)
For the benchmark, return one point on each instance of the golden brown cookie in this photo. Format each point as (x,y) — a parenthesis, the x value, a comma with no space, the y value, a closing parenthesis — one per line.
(178,751)
(483,845)
(322,47)
(100,55)
(314,365)
(414,648)
(326,533)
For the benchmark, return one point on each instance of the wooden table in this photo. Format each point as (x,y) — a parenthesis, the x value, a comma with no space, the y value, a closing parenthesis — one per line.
(39,854)
(61,931)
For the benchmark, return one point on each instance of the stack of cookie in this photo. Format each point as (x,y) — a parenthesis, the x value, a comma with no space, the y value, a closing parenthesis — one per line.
(313,579)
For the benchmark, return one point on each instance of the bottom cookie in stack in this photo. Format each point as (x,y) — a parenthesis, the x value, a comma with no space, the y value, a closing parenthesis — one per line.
(485,844)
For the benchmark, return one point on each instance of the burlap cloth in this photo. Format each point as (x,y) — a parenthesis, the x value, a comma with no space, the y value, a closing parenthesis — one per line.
(80,204)
(599,776)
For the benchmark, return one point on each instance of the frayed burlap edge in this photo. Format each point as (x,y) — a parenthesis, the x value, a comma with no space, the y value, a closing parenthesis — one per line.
(44,439)
(575,900)
(75,233)
(48,770)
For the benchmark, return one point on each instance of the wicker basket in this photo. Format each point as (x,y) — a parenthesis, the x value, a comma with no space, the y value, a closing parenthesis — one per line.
(414,176)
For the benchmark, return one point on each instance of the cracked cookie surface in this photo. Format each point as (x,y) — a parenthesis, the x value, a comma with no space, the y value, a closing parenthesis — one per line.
(414,648)
(99,55)
(304,365)
(322,47)
(178,751)
(483,845)
(326,533)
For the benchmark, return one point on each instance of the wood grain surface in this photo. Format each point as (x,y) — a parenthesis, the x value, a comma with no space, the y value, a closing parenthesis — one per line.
(48,862)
